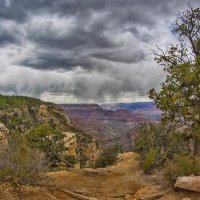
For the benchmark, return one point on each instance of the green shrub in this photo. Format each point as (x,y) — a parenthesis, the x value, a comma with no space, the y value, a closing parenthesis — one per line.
(108,157)
(48,140)
(160,136)
(20,164)
(181,165)
(149,160)
(71,159)
(17,101)
(197,166)
(83,159)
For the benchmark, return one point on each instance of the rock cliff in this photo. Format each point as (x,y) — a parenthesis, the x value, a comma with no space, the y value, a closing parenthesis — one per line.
(20,114)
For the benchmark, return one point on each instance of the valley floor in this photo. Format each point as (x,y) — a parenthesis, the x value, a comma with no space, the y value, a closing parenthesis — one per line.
(124,180)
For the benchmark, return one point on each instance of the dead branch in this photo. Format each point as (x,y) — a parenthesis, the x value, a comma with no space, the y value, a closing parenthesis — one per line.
(77,196)
(49,195)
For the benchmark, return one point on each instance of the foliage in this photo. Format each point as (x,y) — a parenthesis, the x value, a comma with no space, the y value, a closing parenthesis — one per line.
(23,113)
(17,101)
(149,160)
(71,159)
(82,157)
(20,164)
(83,141)
(162,138)
(196,162)
(48,140)
(82,137)
(179,96)
(181,165)
(108,157)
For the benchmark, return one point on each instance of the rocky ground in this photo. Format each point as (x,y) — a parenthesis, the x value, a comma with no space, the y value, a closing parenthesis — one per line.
(123,180)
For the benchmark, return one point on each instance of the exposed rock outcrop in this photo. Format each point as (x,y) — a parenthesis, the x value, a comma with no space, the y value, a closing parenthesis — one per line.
(70,141)
(191,183)
(87,150)
(43,114)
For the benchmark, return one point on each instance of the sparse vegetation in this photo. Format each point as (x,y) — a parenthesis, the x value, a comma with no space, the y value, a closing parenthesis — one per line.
(158,142)
(19,163)
(181,165)
(149,160)
(81,136)
(31,117)
(82,157)
(108,157)
(48,140)
(71,159)
(23,113)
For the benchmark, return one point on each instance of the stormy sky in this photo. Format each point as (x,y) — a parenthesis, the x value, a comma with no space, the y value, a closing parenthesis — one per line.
(73,51)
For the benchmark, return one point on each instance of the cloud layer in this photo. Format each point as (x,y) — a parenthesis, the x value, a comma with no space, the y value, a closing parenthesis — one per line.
(83,51)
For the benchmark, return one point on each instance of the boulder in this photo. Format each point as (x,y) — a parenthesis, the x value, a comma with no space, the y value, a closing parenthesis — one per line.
(191,183)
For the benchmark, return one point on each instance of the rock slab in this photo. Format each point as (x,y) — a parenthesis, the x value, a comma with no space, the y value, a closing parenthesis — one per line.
(191,183)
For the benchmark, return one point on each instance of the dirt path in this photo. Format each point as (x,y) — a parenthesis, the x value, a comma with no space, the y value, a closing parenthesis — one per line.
(118,180)
(124,180)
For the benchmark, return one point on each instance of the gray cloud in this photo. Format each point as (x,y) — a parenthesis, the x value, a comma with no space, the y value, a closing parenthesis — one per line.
(87,50)
(8,33)
(121,56)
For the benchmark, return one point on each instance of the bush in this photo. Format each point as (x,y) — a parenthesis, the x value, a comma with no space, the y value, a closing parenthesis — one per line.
(181,165)
(160,136)
(48,140)
(149,160)
(83,159)
(196,166)
(108,157)
(20,164)
(71,159)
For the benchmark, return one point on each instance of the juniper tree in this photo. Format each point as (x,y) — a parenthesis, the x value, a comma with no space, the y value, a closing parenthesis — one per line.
(179,96)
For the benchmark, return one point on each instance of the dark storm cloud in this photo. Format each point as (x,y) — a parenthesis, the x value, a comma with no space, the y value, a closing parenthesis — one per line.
(5,39)
(50,62)
(8,33)
(78,38)
(119,17)
(93,50)
(18,10)
(121,56)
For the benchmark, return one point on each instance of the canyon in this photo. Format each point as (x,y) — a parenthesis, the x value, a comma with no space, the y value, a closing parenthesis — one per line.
(111,124)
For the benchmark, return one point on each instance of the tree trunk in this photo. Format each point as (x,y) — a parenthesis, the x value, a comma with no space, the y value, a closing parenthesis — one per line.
(196,146)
